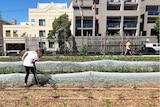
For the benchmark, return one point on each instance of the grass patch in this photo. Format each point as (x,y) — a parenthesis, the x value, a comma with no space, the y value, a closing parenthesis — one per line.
(89,58)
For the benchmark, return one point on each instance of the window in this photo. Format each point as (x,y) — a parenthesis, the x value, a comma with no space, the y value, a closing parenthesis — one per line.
(96,1)
(78,33)
(152,10)
(151,20)
(15,33)
(88,22)
(51,44)
(33,21)
(96,10)
(154,45)
(41,44)
(42,22)
(153,32)
(113,0)
(42,33)
(110,7)
(144,33)
(130,7)
(8,33)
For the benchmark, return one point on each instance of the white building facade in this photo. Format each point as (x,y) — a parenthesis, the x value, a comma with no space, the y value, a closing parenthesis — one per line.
(33,34)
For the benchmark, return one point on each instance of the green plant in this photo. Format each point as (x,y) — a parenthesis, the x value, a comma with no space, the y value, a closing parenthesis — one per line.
(150,105)
(90,95)
(107,103)
(121,96)
(153,95)
(27,103)
(134,86)
(55,94)
(64,104)
(23,94)
(84,50)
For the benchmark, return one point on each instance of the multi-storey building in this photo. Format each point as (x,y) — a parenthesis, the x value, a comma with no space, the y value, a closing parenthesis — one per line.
(2,22)
(33,34)
(107,24)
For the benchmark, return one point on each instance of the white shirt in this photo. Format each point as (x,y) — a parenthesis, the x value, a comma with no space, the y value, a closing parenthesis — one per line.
(32,55)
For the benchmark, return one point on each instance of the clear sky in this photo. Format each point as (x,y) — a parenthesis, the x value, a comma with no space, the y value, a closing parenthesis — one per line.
(18,9)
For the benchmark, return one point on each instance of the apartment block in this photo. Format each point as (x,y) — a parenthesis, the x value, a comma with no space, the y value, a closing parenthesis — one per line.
(33,34)
(108,24)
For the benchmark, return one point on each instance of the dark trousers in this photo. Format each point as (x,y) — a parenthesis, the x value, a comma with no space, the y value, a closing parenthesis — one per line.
(32,69)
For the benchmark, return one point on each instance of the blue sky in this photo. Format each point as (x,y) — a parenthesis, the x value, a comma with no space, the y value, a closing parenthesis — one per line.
(18,9)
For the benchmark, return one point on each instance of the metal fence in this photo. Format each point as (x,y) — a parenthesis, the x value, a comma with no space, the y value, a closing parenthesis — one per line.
(94,44)
(31,43)
(109,43)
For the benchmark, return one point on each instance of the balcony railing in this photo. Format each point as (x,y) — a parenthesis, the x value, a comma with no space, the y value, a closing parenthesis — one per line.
(129,25)
(129,0)
(113,25)
(153,13)
(85,25)
(113,1)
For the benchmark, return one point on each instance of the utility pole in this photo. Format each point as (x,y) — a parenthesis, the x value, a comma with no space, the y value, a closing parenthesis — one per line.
(123,39)
(1,35)
(82,24)
(81,11)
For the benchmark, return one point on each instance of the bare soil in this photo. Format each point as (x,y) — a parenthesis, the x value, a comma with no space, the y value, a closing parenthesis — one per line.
(113,95)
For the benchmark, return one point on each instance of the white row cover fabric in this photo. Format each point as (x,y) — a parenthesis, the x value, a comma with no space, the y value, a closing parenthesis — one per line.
(100,65)
(90,77)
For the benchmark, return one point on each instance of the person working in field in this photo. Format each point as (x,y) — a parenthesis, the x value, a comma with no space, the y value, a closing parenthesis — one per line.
(128,48)
(29,59)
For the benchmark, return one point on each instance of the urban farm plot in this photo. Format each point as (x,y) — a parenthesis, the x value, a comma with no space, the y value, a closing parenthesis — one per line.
(113,95)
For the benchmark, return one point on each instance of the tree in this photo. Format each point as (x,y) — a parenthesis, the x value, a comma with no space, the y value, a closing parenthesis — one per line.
(61,31)
(157,28)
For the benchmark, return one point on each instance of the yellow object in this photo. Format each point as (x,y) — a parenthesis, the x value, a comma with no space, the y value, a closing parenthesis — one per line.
(128,45)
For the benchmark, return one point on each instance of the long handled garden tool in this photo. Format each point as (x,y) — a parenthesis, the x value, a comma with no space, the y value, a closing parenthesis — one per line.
(49,78)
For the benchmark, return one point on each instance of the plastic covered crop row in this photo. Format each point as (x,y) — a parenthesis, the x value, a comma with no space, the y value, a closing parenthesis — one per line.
(101,65)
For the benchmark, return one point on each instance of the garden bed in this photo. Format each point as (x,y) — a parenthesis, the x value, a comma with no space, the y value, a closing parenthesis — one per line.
(119,95)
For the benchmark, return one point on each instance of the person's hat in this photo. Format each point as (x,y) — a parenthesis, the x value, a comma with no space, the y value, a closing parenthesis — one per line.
(41,50)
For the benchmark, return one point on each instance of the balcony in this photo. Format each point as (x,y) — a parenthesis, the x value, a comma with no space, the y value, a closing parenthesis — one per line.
(113,5)
(130,25)
(113,1)
(87,22)
(85,25)
(130,0)
(113,25)
(153,13)
(130,7)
